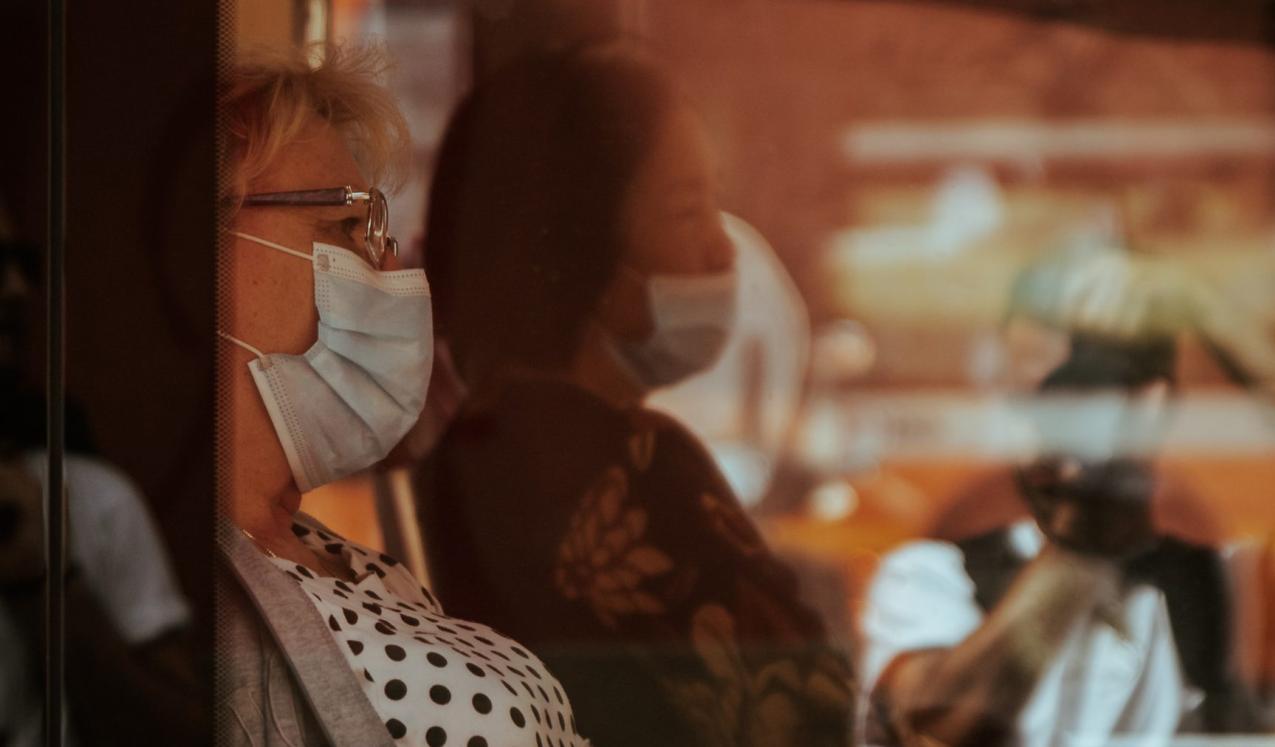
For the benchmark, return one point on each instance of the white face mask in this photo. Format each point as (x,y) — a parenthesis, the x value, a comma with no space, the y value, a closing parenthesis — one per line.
(343,404)
(693,317)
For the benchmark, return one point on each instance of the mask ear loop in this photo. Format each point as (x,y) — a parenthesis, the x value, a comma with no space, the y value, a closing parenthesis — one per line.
(260,355)
(272,245)
(258,240)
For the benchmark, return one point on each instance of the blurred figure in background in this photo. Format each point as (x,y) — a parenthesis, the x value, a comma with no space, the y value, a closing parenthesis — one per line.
(1085,621)
(579,262)
(130,673)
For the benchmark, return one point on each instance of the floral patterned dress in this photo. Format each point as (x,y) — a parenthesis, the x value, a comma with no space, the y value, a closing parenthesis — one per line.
(607,541)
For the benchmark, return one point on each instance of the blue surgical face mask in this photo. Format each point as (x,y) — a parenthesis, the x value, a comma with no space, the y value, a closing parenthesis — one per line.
(693,316)
(343,404)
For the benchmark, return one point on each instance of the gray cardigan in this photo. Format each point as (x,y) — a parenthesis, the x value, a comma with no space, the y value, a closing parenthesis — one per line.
(281,680)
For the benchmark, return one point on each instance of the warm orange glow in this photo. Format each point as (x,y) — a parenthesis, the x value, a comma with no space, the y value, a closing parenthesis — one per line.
(348,507)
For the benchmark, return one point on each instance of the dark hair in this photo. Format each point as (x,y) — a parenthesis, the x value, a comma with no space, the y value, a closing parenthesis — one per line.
(1040,292)
(523,226)
(1098,362)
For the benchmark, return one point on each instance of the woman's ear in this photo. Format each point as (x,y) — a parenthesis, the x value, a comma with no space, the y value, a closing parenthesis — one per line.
(624,308)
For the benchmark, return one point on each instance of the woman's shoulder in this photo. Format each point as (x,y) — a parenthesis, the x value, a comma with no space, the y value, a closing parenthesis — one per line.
(552,422)
(536,411)
(674,447)
(669,429)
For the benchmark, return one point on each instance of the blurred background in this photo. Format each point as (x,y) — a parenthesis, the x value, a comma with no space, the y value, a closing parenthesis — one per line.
(896,165)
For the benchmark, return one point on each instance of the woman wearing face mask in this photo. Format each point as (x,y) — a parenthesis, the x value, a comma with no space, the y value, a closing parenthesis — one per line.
(579,262)
(326,359)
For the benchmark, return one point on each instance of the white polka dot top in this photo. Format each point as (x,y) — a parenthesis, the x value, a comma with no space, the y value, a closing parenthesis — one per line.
(433,679)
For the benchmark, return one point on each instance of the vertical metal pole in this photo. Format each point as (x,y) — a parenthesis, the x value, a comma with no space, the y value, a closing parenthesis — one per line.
(55,495)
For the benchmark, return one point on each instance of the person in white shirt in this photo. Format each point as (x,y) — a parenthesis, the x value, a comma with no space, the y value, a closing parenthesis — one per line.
(130,674)
(1084,623)
(127,620)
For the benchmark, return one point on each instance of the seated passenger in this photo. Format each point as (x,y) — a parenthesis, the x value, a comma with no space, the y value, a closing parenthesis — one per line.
(579,261)
(325,366)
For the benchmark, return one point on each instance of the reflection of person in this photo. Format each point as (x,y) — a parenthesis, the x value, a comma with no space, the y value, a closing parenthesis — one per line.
(1084,622)
(126,618)
(321,640)
(579,262)
(127,621)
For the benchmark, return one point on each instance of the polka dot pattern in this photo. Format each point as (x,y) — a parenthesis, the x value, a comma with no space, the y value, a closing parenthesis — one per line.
(434,680)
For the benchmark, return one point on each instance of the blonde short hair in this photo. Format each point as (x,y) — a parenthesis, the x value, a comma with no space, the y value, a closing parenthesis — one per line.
(266,100)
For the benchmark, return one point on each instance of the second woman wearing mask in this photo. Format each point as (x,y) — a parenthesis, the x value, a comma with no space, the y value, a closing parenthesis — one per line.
(579,262)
